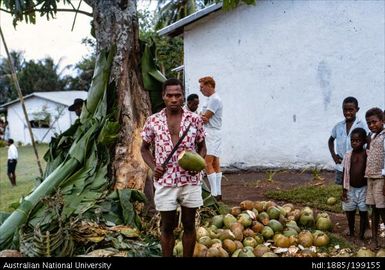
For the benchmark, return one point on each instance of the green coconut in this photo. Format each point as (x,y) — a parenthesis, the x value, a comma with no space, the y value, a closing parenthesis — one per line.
(320,239)
(191,161)
(217,221)
(245,220)
(246,252)
(267,232)
(364,252)
(228,220)
(289,231)
(275,225)
(273,212)
(331,201)
(324,224)
(306,219)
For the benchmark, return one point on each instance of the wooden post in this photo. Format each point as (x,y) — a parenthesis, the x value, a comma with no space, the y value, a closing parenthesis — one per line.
(17,86)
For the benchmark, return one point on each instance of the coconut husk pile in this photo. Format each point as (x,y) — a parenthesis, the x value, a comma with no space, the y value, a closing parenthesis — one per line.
(265,229)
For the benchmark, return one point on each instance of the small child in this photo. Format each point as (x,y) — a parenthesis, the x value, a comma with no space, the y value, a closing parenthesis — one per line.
(354,181)
(341,133)
(375,169)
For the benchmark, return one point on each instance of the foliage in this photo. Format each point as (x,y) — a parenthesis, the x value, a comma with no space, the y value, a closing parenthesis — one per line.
(27,9)
(84,68)
(170,11)
(231,4)
(41,75)
(313,196)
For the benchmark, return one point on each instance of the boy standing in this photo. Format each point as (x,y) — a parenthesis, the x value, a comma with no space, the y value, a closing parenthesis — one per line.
(341,134)
(375,168)
(354,181)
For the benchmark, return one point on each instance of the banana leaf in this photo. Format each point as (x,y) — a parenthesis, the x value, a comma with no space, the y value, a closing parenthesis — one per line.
(152,77)
(84,136)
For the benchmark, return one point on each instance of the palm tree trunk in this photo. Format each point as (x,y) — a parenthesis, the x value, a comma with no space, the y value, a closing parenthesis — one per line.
(115,22)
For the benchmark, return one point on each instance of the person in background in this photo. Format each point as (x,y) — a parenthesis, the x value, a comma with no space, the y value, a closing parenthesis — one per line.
(341,134)
(77,106)
(375,169)
(354,182)
(6,131)
(212,118)
(12,161)
(2,129)
(192,103)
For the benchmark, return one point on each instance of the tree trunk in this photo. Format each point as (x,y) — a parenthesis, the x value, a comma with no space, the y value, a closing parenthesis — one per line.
(115,22)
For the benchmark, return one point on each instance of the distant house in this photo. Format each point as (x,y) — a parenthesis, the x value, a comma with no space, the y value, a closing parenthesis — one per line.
(282,69)
(47,112)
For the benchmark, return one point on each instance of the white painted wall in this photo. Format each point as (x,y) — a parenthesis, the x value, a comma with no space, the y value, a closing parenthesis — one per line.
(18,127)
(282,69)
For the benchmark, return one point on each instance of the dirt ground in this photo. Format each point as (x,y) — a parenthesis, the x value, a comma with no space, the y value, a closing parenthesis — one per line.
(239,186)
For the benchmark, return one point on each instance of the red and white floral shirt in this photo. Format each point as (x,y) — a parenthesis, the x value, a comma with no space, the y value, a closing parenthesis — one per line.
(156,131)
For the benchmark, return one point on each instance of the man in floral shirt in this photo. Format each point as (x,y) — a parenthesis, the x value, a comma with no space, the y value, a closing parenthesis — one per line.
(174,185)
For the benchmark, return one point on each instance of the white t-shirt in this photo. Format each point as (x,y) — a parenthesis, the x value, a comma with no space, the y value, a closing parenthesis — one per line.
(12,152)
(214,104)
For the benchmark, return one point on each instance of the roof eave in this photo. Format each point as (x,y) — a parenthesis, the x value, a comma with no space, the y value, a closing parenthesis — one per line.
(176,28)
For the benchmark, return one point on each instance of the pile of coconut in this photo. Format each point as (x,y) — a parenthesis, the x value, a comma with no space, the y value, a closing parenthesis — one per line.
(262,229)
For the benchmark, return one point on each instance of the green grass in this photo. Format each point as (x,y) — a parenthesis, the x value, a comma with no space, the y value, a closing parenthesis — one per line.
(313,196)
(26,172)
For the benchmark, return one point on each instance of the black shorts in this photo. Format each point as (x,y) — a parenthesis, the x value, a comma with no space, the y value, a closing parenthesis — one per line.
(12,165)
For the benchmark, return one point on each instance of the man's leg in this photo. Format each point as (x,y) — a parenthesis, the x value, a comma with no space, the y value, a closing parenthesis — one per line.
(189,234)
(167,239)
(211,174)
(350,215)
(375,223)
(218,172)
(363,223)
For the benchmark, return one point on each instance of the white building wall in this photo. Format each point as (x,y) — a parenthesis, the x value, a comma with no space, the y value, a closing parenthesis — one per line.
(282,69)
(19,129)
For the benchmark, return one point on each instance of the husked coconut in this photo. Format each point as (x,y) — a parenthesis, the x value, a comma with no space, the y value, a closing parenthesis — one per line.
(229,245)
(247,205)
(260,250)
(235,211)
(305,238)
(200,250)
(257,226)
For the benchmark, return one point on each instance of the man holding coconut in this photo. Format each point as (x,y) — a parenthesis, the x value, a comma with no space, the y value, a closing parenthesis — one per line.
(174,185)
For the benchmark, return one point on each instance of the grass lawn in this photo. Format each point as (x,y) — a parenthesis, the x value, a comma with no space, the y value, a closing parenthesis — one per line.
(313,196)
(26,172)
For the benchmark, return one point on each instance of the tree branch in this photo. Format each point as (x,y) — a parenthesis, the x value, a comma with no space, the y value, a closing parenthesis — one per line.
(59,9)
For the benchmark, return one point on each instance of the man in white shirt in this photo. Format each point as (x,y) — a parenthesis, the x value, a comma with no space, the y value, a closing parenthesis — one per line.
(12,161)
(212,118)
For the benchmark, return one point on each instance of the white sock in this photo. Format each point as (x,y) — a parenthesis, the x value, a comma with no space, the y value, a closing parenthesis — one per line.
(213,183)
(219,183)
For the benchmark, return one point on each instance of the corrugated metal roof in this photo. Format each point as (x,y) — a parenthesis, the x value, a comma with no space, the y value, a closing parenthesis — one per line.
(63,97)
(177,27)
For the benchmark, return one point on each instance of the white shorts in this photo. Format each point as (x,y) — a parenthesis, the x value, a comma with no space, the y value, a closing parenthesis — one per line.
(213,142)
(168,198)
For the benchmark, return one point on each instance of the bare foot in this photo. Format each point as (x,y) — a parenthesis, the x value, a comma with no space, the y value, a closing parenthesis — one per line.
(348,233)
(368,234)
(374,245)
